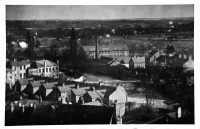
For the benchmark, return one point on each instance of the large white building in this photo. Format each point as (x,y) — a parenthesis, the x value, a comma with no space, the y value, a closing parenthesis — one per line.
(44,68)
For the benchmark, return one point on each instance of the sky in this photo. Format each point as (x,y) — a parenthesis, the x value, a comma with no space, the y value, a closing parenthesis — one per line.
(73,12)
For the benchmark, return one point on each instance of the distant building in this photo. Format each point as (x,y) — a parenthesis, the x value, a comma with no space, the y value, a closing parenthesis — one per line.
(137,62)
(153,55)
(124,60)
(44,68)
(105,50)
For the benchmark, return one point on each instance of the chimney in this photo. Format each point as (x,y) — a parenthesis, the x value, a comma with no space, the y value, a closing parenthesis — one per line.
(63,84)
(96,49)
(20,104)
(93,89)
(34,105)
(40,99)
(23,108)
(58,68)
(31,104)
(77,86)
(190,57)
(44,68)
(20,97)
(12,107)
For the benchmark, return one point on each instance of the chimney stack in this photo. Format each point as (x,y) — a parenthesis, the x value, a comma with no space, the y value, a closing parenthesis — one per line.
(58,68)
(12,107)
(190,57)
(96,49)
(93,89)
(23,108)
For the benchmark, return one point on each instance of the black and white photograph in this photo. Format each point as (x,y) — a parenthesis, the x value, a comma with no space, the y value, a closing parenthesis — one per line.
(99,64)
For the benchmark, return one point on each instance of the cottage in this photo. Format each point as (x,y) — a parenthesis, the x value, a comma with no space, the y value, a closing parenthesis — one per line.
(124,60)
(115,95)
(48,91)
(65,91)
(21,84)
(33,87)
(77,94)
(93,95)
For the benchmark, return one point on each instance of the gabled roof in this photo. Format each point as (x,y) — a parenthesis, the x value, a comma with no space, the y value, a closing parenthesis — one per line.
(95,94)
(138,59)
(49,85)
(25,81)
(40,63)
(79,91)
(106,48)
(37,83)
(20,63)
(64,89)
(152,53)
(124,59)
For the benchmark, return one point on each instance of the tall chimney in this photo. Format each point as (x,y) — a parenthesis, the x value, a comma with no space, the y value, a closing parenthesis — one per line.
(96,49)
(58,68)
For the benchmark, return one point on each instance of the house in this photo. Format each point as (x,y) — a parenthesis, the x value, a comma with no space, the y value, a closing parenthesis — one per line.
(77,94)
(124,60)
(21,84)
(65,91)
(93,95)
(48,91)
(32,87)
(104,64)
(137,62)
(115,95)
(19,69)
(153,55)
(105,50)
(44,68)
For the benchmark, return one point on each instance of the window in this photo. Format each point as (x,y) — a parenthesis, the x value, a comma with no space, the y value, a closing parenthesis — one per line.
(20,67)
(53,68)
(57,68)
(39,70)
(43,70)
(24,66)
(20,75)
(49,69)
(15,75)
(46,69)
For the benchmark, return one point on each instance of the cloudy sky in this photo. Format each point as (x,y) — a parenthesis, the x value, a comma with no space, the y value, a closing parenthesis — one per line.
(26,12)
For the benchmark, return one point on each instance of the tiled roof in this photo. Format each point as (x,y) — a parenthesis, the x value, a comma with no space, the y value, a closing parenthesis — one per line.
(25,81)
(40,63)
(49,85)
(93,94)
(125,59)
(64,89)
(20,63)
(106,48)
(152,53)
(79,91)
(37,83)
